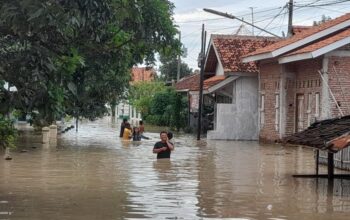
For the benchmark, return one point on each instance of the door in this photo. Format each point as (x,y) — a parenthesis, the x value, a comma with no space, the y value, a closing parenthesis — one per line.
(300,113)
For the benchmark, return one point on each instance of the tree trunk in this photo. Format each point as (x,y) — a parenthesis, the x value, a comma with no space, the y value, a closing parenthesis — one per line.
(76,124)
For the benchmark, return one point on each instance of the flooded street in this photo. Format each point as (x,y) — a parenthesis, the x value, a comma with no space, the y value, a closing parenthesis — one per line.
(93,175)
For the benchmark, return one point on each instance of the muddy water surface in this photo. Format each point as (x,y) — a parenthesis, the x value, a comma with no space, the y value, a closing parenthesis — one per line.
(93,175)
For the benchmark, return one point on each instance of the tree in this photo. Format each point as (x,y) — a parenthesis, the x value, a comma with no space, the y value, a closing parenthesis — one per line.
(169,66)
(168,108)
(74,56)
(324,19)
(142,93)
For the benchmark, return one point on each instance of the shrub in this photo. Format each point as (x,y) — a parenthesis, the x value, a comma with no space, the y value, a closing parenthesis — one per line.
(8,133)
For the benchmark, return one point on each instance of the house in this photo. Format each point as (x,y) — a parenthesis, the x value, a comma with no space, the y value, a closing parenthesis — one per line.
(188,86)
(142,74)
(138,74)
(304,78)
(230,88)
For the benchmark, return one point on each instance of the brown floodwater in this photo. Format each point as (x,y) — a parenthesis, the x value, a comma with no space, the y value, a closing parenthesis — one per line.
(93,175)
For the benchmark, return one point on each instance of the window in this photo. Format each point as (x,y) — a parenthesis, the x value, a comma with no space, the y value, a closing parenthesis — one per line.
(309,100)
(277,112)
(262,110)
(317,105)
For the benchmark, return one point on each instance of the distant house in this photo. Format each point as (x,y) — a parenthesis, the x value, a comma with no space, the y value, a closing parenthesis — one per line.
(230,88)
(304,78)
(142,74)
(138,74)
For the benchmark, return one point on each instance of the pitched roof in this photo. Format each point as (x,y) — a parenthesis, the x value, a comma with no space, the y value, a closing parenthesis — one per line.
(297,29)
(231,48)
(188,83)
(323,42)
(302,35)
(331,135)
(191,83)
(142,74)
(212,81)
(319,47)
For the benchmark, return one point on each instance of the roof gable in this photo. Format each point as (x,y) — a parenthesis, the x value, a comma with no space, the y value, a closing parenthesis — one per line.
(319,48)
(229,49)
(303,38)
(188,83)
(142,74)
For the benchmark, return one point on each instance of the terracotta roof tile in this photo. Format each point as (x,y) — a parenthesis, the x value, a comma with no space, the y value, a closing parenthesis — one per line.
(301,35)
(323,42)
(324,135)
(142,74)
(299,29)
(191,83)
(212,81)
(231,49)
(188,83)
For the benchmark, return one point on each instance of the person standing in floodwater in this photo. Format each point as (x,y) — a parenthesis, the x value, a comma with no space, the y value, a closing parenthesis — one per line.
(122,127)
(163,148)
(142,130)
(127,135)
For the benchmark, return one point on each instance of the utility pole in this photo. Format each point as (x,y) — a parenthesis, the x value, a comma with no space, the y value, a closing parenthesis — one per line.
(290,18)
(201,60)
(252,9)
(179,62)
(226,15)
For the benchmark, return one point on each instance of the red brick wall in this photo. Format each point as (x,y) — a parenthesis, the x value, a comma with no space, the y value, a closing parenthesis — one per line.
(339,82)
(269,84)
(306,80)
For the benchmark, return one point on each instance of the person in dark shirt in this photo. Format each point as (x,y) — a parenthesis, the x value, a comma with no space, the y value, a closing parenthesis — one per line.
(122,127)
(163,148)
(136,135)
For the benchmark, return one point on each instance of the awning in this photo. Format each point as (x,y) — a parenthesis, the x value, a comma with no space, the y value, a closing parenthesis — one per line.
(330,135)
(219,85)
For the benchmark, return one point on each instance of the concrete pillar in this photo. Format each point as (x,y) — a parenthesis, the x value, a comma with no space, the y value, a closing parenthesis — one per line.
(325,96)
(283,102)
(53,135)
(53,131)
(46,135)
(7,154)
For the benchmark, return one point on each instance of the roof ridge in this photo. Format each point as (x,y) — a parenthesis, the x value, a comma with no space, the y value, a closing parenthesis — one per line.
(307,32)
(234,36)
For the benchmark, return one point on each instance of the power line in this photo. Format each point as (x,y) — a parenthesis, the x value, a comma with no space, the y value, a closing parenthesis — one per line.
(216,19)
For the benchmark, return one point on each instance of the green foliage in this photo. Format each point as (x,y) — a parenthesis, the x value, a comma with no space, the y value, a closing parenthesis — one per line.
(141,95)
(324,19)
(169,66)
(168,108)
(158,104)
(74,56)
(8,133)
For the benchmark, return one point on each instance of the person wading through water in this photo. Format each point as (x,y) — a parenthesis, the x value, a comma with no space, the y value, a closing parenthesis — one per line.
(122,127)
(127,135)
(163,148)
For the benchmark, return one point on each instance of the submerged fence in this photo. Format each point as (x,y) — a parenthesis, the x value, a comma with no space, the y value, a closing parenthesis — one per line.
(341,159)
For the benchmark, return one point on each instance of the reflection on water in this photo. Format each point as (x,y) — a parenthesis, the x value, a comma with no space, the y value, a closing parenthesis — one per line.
(93,175)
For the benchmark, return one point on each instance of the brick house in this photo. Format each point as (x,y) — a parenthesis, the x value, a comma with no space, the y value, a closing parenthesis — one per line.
(304,78)
(230,87)
(142,74)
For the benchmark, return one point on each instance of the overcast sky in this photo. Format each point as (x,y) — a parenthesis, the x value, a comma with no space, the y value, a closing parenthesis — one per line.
(269,14)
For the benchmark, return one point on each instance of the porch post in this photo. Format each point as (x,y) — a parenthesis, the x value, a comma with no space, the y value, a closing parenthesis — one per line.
(330,165)
(283,102)
(325,98)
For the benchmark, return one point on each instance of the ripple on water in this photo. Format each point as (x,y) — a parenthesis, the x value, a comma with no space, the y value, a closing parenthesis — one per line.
(93,175)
